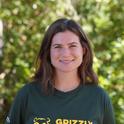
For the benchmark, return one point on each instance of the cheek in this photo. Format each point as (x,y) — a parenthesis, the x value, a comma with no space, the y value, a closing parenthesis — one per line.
(53,54)
(79,52)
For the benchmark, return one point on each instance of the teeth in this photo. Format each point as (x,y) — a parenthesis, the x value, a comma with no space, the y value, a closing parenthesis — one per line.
(66,61)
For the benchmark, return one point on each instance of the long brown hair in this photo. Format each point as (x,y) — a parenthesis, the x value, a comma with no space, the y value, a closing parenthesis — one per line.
(45,70)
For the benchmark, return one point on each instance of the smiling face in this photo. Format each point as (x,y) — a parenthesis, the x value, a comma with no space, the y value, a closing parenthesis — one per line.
(66,52)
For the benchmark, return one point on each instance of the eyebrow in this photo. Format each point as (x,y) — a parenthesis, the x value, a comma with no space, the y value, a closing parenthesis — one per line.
(72,43)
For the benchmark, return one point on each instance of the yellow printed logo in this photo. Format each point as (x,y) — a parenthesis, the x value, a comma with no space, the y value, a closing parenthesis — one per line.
(66,121)
(47,120)
(41,120)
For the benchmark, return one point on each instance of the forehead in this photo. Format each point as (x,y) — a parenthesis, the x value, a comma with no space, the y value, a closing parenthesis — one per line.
(65,37)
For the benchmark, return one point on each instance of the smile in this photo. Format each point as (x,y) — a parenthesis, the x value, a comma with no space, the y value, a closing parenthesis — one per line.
(66,61)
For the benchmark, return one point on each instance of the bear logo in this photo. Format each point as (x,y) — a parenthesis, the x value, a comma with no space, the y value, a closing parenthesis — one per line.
(41,120)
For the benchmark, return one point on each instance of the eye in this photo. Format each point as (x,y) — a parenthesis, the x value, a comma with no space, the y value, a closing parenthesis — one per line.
(57,47)
(73,46)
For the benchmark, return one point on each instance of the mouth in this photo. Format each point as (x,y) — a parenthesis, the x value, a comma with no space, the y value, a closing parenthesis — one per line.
(67,61)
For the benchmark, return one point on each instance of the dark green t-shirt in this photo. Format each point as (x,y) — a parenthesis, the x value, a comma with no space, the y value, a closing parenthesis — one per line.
(88,104)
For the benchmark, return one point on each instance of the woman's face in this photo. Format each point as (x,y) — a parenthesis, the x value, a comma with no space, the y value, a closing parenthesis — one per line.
(66,52)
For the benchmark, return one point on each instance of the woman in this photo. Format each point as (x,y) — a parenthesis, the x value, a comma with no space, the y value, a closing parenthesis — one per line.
(65,88)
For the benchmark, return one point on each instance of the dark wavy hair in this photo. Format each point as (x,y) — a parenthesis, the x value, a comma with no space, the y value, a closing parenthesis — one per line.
(44,69)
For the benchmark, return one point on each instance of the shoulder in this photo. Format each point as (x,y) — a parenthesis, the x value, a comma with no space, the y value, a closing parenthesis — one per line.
(98,91)
(99,94)
(26,90)
(94,87)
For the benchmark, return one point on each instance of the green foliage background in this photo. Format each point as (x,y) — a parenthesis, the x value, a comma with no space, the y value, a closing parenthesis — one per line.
(25,22)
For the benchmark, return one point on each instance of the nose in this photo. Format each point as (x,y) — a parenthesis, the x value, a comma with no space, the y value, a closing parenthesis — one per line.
(65,52)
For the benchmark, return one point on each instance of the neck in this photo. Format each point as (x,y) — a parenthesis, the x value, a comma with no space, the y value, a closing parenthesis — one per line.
(66,81)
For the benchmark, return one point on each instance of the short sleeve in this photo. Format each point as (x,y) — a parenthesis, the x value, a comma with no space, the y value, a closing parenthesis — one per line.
(17,111)
(108,117)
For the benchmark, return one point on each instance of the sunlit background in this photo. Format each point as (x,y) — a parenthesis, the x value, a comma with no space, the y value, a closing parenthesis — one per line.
(22,26)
